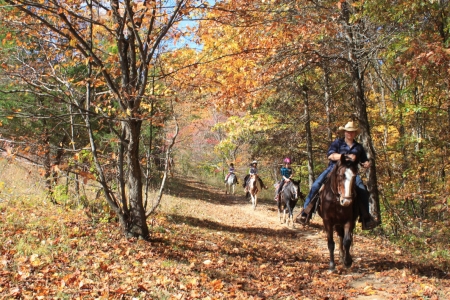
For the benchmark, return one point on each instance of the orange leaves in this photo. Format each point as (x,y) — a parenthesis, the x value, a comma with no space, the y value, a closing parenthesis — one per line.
(216,284)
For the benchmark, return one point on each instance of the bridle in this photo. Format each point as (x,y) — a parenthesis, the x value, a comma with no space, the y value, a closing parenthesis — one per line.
(349,177)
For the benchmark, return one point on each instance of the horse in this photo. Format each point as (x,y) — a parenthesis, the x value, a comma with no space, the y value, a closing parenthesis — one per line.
(288,199)
(253,188)
(339,208)
(230,184)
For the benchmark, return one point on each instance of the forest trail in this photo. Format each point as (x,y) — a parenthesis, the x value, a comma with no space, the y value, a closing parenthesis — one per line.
(204,245)
(379,271)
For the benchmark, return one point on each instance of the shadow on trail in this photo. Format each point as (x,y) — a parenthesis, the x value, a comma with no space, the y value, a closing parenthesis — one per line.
(195,189)
(430,271)
(263,231)
(254,234)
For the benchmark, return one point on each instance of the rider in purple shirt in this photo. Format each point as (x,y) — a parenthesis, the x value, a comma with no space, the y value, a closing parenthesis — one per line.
(230,171)
(340,146)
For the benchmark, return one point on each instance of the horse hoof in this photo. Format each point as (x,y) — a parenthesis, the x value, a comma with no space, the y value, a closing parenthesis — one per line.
(348,264)
(332,267)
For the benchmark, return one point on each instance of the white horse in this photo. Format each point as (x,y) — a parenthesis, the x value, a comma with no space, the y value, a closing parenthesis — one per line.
(230,184)
(253,188)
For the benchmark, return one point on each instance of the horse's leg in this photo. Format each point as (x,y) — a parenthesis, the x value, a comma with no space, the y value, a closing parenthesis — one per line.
(291,215)
(287,210)
(329,231)
(340,232)
(279,211)
(348,238)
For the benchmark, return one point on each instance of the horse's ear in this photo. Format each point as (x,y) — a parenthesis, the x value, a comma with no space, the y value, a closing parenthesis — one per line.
(296,182)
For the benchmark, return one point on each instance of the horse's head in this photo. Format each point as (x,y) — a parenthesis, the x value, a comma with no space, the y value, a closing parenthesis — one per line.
(292,190)
(344,178)
(295,188)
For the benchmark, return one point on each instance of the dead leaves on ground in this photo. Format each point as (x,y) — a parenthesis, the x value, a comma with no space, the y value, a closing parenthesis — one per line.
(50,253)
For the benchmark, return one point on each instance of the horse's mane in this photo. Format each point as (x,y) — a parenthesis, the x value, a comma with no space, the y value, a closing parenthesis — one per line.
(332,177)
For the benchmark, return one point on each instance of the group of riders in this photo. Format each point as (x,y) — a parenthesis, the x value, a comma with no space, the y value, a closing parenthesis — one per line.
(346,145)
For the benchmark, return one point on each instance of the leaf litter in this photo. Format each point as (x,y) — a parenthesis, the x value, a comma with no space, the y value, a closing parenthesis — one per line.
(204,245)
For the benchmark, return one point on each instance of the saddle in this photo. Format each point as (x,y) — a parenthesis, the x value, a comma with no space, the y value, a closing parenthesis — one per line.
(313,206)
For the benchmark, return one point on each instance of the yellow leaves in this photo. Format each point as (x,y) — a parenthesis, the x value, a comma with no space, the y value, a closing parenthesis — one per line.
(369,290)
(88,60)
(73,43)
(35,261)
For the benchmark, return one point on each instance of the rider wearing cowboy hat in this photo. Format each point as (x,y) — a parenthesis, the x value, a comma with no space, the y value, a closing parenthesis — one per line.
(354,150)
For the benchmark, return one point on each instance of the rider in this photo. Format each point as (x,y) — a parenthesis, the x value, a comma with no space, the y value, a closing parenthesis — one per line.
(230,171)
(340,146)
(253,170)
(286,174)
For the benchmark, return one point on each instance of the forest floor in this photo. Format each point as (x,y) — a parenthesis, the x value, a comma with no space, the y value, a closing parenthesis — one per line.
(204,245)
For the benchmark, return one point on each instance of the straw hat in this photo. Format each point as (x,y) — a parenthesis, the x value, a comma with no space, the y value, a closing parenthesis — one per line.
(350,126)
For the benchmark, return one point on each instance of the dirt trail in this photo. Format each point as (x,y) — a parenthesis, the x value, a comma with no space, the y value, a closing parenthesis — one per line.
(380,270)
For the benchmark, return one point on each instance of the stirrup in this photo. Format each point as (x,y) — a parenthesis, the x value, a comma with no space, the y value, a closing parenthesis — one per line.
(302,218)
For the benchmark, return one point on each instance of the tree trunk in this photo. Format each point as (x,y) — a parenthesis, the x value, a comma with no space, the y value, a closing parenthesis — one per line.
(137,225)
(309,153)
(366,140)
(327,99)
(354,46)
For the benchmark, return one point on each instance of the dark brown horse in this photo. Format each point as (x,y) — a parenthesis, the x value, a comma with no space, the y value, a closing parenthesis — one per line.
(339,208)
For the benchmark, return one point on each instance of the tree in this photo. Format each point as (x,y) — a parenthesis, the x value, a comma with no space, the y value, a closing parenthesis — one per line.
(120,42)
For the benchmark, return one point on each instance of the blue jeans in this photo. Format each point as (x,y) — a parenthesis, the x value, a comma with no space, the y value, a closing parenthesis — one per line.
(360,189)
(316,185)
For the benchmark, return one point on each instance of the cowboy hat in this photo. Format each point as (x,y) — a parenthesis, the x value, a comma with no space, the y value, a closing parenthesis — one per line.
(349,127)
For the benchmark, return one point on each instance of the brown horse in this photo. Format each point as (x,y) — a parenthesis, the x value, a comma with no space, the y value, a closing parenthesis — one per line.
(339,208)
(253,188)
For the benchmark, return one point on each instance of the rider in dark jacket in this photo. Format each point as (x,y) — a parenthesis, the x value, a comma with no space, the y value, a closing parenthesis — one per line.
(349,146)
(253,170)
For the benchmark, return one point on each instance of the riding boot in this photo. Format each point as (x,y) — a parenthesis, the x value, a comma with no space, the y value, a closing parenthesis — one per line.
(368,224)
(301,217)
